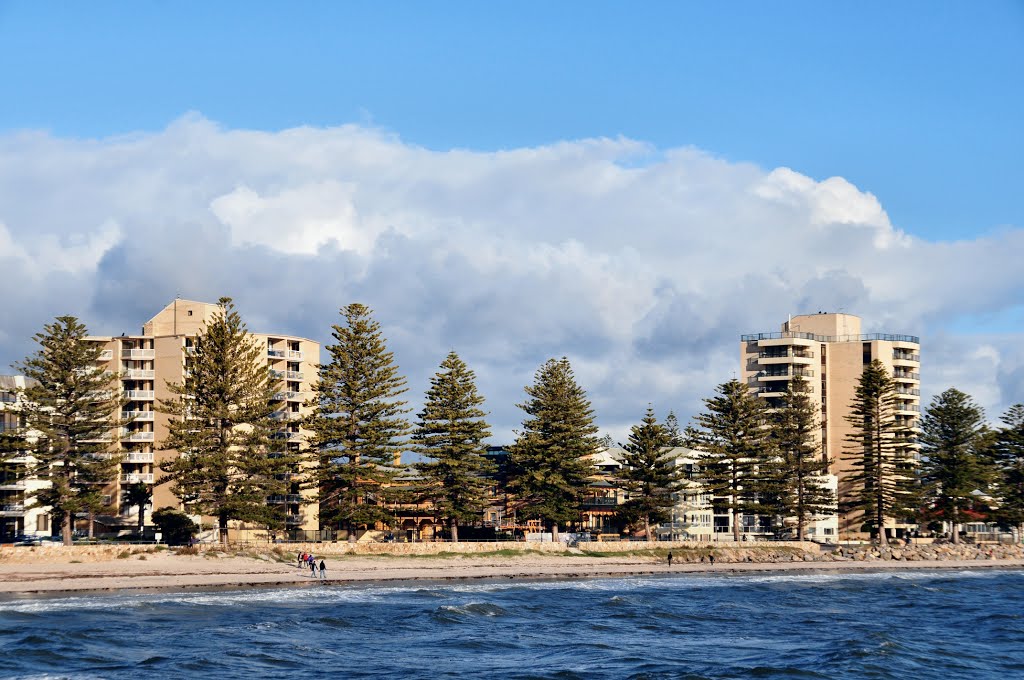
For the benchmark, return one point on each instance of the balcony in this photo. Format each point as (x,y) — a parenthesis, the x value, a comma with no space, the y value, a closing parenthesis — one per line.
(903,355)
(137,374)
(287,396)
(12,484)
(295,354)
(293,375)
(276,375)
(293,520)
(138,416)
(289,436)
(138,477)
(139,395)
(138,457)
(906,375)
(12,509)
(600,501)
(908,391)
(287,498)
(790,353)
(276,353)
(138,437)
(785,373)
(913,408)
(99,439)
(105,355)
(139,354)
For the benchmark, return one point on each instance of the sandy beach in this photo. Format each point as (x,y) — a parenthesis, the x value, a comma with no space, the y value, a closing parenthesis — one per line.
(166,570)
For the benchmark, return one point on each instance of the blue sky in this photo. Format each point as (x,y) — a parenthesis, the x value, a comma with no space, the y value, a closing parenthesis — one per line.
(631,185)
(920,103)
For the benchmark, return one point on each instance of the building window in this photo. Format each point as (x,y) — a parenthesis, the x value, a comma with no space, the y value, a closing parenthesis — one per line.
(42,522)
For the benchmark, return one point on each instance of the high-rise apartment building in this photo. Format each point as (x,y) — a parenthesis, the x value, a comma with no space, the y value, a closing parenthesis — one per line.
(159,355)
(830,353)
(17,483)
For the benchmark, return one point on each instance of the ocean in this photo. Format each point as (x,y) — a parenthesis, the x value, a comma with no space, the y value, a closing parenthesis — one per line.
(941,624)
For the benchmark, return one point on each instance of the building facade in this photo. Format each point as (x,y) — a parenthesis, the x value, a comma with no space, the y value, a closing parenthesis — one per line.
(17,483)
(829,352)
(147,362)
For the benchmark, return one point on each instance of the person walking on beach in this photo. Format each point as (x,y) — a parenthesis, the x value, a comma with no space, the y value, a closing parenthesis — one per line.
(323,570)
(711,557)
(302,558)
(312,566)
(670,558)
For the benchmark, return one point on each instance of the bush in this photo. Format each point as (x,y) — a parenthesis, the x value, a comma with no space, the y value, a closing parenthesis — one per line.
(177,528)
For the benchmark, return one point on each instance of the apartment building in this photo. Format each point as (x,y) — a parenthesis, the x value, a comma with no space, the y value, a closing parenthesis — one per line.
(829,352)
(16,481)
(159,355)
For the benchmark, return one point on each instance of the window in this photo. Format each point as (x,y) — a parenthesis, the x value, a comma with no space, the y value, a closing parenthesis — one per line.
(190,312)
(42,522)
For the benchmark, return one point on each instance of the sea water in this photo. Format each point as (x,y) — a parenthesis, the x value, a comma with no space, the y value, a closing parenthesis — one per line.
(942,624)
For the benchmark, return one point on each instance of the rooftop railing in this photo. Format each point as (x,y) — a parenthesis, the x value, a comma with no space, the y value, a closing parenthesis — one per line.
(783,335)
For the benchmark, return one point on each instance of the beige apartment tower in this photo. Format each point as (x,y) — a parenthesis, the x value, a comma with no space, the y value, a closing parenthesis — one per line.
(830,353)
(159,355)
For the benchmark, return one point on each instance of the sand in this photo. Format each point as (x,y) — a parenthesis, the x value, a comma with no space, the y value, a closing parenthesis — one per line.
(167,571)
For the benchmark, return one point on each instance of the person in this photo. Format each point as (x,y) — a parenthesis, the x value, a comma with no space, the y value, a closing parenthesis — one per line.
(711,557)
(670,558)
(312,566)
(302,558)
(323,570)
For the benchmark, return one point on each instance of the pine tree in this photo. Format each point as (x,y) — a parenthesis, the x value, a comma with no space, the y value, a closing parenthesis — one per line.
(671,427)
(649,473)
(358,424)
(731,438)
(800,468)
(1007,452)
(550,463)
(450,434)
(954,464)
(71,410)
(221,426)
(139,495)
(880,452)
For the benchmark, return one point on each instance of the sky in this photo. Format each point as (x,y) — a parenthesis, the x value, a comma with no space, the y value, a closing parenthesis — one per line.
(629,186)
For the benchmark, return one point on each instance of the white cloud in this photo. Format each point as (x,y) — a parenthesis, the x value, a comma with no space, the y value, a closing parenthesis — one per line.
(641,265)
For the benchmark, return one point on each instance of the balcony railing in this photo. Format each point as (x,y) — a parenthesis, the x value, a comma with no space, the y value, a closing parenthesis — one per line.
(293,520)
(286,435)
(286,498)
(908,407)
(276,375)
(138,374)
(139,395)
(139,437)
(908,390)
(293,375)
(138,457)
(906,356)
(12,508)
(906,375)
(295,354)
(287,396)
(786,372)
(786,355)
(137,477)
(138,416)
(106,355)
(831,338)
(602,501)
(12,484)
(140,354)
(276,353)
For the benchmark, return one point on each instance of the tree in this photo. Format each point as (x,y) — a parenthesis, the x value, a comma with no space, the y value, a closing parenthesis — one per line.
(221,426)
(649,473)
(357,424)
(954,464)
(671,427)
(450,434)
(139,495)
(176,528)
(1007,452)
(550,463)
(71,410)
(799,468)
(732,444)
(880,453)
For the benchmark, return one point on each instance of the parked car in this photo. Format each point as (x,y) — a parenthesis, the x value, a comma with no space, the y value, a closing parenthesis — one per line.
(28,540)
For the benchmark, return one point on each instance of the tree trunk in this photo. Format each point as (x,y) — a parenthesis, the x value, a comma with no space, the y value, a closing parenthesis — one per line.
(956,526)
(736,524)
(66,528)
(222,527)
(554,532)
(647,527)
(92,526)
(455,531)
(142,519)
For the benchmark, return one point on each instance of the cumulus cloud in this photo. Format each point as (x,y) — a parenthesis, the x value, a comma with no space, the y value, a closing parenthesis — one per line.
(642,265)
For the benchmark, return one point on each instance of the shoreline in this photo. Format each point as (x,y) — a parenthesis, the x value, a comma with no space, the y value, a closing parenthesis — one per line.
(195,574)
